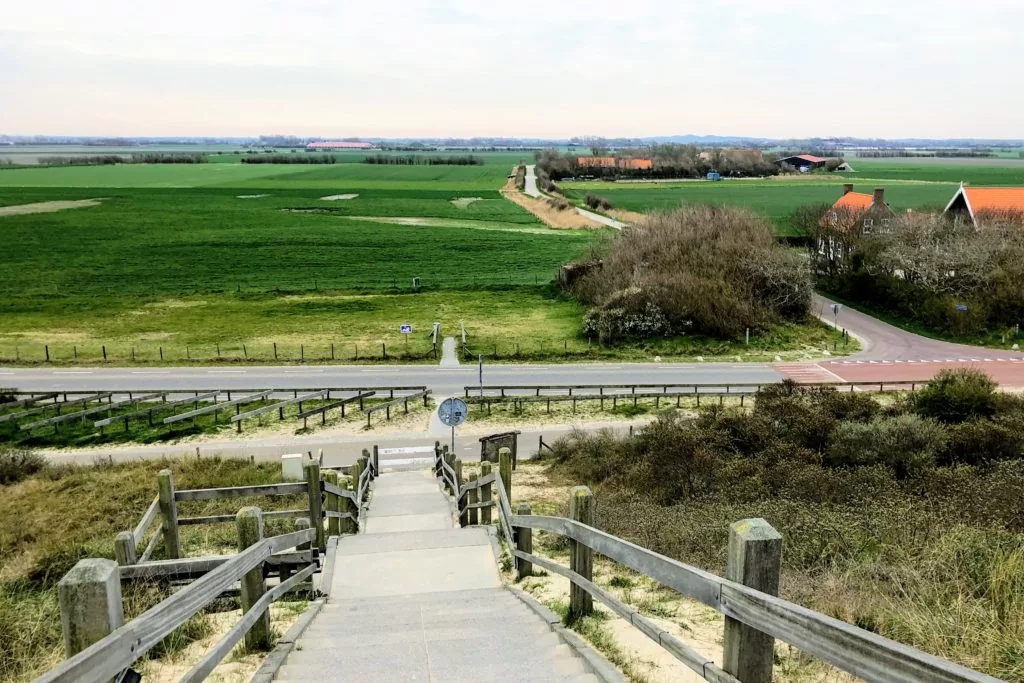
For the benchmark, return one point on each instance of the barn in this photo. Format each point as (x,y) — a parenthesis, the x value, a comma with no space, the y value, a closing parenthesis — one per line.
(804,162)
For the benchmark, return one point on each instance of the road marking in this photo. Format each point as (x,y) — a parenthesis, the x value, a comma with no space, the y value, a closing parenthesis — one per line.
(381,370)
(151,372)
(72,372)
(6,373)
(409,449)
(303,372)
(225,372)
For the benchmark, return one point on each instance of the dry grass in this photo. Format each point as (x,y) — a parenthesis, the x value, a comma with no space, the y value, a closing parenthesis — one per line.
(47,207)
(548,215)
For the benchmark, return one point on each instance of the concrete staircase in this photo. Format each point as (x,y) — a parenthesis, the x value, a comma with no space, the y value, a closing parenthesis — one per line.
(417,599)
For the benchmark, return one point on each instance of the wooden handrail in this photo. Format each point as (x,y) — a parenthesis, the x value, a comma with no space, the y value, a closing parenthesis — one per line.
(147,519)
(240,492)
(477,483)
(111,655)
(395,401)
(218,519)
(219,651)
(217,406)
(279,405)
(852,649)
(337,404)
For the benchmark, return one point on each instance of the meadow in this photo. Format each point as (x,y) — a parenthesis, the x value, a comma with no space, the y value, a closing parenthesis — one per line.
(918,184)
(226,253)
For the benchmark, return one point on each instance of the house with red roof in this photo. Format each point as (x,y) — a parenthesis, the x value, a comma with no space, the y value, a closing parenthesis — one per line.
(865,213)
(981,202)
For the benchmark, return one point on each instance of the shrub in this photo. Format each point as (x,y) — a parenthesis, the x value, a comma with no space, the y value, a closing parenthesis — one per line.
(907,444)
(16,464)
(598,203)
(980,440)
(958,394)
(709,270)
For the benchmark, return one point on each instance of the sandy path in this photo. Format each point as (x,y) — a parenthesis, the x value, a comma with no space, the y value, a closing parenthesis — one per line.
(47,207)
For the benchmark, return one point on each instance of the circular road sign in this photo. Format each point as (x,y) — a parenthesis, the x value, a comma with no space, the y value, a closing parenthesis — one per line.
(453,411)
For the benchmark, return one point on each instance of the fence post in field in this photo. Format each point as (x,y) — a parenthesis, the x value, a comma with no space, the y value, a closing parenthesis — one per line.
(505,470)
(104,352)
(524,543)
(376,460)
(333,504)
(169,513)
(47,348)
(249,521)
(755,559)
(485,494)
(124,548)
(472,498)
(581,558)
(311,473)
(90,603)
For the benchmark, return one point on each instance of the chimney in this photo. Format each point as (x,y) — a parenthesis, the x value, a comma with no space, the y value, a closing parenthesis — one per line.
(879,195)
(847,189)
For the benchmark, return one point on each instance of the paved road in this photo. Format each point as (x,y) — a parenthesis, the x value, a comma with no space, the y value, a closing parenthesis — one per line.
(603,220)
(882,341)
(531,181)
(443,381)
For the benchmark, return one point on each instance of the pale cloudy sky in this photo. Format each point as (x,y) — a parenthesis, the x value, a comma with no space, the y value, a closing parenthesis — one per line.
(546,68)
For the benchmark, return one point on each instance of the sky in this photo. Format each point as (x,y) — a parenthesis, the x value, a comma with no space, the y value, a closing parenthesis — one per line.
(526,68)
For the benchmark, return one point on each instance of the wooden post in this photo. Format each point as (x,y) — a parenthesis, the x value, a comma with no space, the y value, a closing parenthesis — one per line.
(376,461)
(311,472)
(485,494)
(350,526)
(524,543)
(300,524)
(505,470)
(249,522)
(581,558)
(90,603)
(461,504)
(169,512)
(437,458)
(124,548)
(755,560)
(473,497)
(364,463)
(333,504)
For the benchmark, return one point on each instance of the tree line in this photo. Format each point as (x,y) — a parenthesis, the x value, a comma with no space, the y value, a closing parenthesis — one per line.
(423,160)
(290,159)
(111,159)
(668,161)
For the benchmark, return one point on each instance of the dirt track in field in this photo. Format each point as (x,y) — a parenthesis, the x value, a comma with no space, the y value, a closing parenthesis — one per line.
(47,207)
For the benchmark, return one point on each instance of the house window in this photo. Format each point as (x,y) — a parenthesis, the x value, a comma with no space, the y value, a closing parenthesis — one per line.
(868,225)
(835,218)
(885,222)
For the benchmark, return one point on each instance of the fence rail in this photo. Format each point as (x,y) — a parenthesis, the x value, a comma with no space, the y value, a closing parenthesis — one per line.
(754,616)
(388,405)
(611,389)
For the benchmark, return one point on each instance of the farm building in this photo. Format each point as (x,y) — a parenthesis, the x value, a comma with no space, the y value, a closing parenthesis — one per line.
(804,162)
(636,164)
(600,162)
(321,146)
(977,202)
(859,211)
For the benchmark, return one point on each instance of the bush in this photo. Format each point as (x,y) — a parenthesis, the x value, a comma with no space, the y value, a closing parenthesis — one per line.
(979,440)
(956,395)
(907,444)
(708,270)
(16,464)
(598,203)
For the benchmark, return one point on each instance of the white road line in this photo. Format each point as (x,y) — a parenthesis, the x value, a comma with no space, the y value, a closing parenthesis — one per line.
(6,373)
(151,372)
(72,372)
(225,372)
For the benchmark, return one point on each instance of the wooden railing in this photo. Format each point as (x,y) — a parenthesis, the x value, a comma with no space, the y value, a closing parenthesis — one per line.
(388,405)
(100,648)
(754,615)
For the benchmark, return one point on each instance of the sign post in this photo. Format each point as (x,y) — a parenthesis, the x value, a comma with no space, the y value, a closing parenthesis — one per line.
(453,412)
(481,375)
(406,330)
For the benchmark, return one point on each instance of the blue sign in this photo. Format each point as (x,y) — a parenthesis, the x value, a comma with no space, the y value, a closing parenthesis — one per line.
(961,307)
(405,329)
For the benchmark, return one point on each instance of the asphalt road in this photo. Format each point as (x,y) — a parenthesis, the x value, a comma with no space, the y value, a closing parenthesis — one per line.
(443,381)
(531,181)
(882,341)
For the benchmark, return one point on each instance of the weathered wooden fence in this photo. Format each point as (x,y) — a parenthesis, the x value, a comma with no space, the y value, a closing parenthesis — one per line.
(748,595)
(99,646)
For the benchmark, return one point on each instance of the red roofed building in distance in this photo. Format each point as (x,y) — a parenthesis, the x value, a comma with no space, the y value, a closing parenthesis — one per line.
(804,162)
(636,164)
(321,146)
(856,210)
(980,202)
(600,162)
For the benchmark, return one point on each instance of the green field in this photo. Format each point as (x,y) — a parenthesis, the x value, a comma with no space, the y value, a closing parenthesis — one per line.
(183,258)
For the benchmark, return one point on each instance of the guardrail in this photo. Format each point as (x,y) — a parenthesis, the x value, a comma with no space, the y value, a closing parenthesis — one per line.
(754,616)
(609,390)
(387,405)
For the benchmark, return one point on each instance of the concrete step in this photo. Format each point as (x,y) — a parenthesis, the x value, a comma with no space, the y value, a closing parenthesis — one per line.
(530,639)
(398,670)
(385,623)
(400,541)
(469,595)
(305,676)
